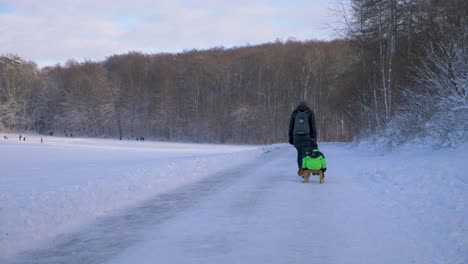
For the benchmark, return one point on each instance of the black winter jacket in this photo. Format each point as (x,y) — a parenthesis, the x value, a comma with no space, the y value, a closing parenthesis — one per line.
(303,140)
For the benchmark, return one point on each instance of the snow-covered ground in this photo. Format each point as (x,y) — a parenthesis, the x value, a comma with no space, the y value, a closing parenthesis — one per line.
(53,187)
(142,202)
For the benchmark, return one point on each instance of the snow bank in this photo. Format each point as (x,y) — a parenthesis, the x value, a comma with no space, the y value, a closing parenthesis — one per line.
(428,190)
(55,187)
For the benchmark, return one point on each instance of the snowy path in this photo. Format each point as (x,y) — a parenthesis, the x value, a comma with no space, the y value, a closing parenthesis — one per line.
(269,216)
(251,214)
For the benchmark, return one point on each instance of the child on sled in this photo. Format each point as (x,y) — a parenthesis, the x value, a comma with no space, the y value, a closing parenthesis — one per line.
(314,162)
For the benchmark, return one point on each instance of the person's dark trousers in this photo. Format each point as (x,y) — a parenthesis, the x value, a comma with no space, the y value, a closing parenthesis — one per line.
(301,151)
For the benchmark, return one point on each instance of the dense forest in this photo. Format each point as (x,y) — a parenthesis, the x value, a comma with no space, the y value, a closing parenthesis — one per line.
(398,67)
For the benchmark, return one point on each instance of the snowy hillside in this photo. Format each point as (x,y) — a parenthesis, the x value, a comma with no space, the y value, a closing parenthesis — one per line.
(90,200)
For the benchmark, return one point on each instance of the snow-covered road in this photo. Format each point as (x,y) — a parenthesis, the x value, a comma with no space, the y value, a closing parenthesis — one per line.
(268,216)
(261,212)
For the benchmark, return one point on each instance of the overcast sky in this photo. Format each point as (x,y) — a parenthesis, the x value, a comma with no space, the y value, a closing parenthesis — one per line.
(53,31)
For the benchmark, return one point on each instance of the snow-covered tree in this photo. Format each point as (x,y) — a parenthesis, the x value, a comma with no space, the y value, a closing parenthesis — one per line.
(435,111)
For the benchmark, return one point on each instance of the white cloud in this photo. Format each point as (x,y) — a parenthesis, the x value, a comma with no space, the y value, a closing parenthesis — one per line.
(52,31)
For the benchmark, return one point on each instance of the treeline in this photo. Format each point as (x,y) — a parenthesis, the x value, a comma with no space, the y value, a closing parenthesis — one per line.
(356,85)
(413,57)
(239,95)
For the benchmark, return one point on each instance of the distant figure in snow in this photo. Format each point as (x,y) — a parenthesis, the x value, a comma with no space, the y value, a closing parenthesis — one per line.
(302,132)
(24,138)
(42,141)
(20,137)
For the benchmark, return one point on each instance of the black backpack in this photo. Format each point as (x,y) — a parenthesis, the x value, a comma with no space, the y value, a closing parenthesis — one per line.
(301,124)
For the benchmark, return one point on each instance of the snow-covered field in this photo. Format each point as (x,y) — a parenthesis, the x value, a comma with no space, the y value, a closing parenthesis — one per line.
(147,202)
(52,188)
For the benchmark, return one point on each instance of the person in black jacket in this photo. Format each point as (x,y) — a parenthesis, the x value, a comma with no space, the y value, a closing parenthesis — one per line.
(302,141)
